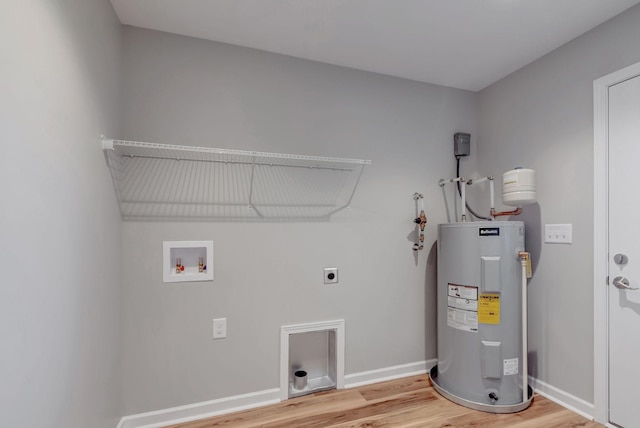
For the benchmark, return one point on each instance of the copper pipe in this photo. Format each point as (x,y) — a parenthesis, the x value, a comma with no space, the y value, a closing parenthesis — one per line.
(517,211)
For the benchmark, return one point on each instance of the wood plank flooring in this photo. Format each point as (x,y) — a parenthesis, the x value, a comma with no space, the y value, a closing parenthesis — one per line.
(406,402)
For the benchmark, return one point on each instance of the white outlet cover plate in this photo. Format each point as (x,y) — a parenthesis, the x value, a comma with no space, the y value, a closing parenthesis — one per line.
(558,233)
(219,328)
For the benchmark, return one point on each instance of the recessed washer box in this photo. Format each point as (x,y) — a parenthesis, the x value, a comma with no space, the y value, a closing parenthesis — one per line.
(316,349)
(181,261)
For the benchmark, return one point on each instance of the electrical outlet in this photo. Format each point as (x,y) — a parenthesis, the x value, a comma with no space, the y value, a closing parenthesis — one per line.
(330,275)
(219,328)
(558,233)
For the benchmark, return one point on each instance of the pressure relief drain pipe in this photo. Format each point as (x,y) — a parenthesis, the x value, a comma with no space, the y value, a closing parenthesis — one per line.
(525,263)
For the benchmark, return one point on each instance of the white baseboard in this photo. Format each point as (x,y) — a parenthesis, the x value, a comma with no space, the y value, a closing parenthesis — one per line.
(571,402)
(205,409)
(388,373)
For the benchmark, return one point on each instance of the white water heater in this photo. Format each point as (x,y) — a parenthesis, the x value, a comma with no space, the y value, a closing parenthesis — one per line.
(480,349)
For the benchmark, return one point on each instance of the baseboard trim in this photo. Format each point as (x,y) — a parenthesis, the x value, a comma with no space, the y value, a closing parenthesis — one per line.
(205,409)
(563,398)
(388,373)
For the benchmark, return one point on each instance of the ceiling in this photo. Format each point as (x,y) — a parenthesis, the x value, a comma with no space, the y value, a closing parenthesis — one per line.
(466,44)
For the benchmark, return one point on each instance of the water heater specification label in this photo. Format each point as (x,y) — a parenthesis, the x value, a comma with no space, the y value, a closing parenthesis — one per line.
(489,308)
(510,366)
(462,310)
(463,291)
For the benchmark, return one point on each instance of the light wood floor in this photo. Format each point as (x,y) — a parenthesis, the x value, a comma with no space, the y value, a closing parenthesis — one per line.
(407,402)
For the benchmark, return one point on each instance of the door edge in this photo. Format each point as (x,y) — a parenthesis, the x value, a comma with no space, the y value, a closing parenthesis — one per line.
(600,236)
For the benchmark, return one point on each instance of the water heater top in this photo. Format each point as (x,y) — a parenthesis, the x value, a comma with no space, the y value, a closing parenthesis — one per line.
(483,224)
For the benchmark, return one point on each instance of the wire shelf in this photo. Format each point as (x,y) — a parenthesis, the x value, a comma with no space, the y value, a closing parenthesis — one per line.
(170,182)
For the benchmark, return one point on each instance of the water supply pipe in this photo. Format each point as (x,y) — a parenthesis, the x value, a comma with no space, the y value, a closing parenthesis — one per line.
(464,202)
(492,200)
(421,221)
(517,211)
(463,197)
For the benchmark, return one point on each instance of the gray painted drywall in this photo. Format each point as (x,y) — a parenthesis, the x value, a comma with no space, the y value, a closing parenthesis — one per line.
(542,117)
(188,91)
(60,293)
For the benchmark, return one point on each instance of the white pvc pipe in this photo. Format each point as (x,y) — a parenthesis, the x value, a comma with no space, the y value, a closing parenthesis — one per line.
(491,188)
(491,192)
(464,201)
(462,194)
(525,362)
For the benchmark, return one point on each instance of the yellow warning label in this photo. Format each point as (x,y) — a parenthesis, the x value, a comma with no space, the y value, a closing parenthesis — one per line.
(489,308)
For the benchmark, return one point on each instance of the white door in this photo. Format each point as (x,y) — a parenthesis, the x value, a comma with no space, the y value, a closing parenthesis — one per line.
(624,253)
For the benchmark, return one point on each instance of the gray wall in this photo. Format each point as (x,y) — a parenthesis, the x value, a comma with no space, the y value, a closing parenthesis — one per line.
(542,117)
(188,91)
(60,287)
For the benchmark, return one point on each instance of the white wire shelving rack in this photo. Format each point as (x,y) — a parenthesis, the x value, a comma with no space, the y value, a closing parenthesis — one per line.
(170,182)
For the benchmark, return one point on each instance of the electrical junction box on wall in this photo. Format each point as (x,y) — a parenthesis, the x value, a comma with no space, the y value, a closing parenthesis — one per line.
(187,261)
(461,144)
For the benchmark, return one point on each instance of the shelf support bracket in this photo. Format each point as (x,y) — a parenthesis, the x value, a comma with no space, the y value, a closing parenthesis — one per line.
(253,168)
(353,192)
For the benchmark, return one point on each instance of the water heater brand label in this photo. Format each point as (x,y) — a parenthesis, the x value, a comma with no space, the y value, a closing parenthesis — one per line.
(489,231)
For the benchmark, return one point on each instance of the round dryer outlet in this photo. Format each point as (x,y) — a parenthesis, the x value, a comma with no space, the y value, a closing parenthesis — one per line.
(330,275)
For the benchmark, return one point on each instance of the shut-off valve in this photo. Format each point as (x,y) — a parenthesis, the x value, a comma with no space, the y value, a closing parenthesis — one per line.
(421,221)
